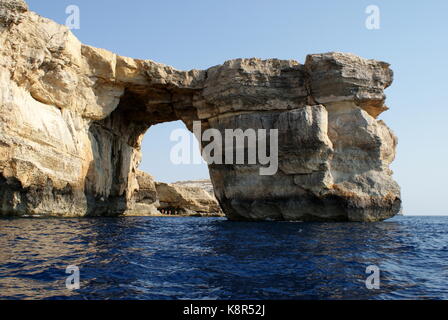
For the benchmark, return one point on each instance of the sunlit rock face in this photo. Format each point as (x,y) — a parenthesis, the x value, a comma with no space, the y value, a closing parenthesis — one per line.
(178,199)
(72,118)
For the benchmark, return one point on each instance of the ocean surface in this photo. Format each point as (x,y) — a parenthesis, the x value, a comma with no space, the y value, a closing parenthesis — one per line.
(212,258)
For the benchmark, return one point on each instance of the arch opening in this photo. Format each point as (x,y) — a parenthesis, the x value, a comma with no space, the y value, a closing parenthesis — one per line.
(158,148)
(117,183)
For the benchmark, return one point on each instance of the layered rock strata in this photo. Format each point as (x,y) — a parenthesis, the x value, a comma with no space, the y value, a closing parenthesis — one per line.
(179,199)
(185,198)
(72,118)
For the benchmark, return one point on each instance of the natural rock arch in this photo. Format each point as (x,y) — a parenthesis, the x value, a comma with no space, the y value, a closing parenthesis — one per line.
(116,142)
(72,119)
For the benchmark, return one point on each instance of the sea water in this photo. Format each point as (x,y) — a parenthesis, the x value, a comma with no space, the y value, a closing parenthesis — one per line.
(212,258)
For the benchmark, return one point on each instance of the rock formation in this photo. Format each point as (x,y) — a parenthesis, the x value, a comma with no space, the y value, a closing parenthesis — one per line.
(72,118)
(145,200)
(186,200)
(205,184)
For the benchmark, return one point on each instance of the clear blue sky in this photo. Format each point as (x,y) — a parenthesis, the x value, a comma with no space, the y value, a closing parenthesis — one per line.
(203,33)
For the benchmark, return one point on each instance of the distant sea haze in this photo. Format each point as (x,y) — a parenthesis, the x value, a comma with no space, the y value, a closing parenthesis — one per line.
(212,258)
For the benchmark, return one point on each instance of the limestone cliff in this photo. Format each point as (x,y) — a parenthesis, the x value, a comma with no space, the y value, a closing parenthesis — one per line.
(205,184)
(72,118)
(185,198)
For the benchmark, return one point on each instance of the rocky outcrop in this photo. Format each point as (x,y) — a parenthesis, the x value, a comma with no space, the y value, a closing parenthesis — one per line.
(72,118)
(184,198)
(181,199)
(333,153)
(204,184)
(11,11)
(145,200)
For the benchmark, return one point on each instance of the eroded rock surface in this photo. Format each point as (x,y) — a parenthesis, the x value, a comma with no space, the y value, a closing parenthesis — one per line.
(204,184)
(184,199)
(72,118)
(145,200)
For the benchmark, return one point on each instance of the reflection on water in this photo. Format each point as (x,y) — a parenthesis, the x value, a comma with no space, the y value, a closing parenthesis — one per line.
(211,258)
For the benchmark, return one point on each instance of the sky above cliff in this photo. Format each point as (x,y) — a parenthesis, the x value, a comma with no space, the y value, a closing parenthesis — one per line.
(200,34)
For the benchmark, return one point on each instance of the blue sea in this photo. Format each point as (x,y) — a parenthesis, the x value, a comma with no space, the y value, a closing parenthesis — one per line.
(212,258)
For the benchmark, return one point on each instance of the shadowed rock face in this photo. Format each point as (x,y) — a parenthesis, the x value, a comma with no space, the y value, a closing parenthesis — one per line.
(72,118)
